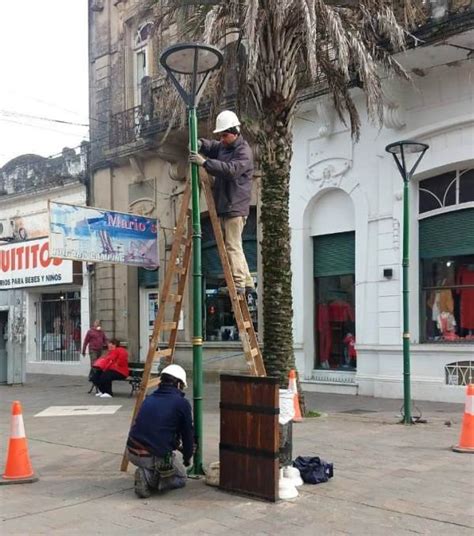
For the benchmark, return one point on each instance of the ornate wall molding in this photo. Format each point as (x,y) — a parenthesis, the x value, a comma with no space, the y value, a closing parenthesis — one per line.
(144,206)
(393,114)
(328,160)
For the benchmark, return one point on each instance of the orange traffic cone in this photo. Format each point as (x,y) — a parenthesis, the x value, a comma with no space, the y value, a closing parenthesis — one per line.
(18,469)
(466,441)
(296,399)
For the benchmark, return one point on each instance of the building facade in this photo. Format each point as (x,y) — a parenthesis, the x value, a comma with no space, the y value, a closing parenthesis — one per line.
(346,219)
(44,302)
(345,212)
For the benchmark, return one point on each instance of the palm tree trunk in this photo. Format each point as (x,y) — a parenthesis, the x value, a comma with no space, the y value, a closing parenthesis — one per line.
(276,153)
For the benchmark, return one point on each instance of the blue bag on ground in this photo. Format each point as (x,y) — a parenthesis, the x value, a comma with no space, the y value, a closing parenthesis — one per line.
(313,470)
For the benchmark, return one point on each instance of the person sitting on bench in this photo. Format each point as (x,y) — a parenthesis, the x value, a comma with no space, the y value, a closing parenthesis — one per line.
(112,366)
(163,425)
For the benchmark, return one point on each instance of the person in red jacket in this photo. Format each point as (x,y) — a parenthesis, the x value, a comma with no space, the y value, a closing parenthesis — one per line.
(113,366)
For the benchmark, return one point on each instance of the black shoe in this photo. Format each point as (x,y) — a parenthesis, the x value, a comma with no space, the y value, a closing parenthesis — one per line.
(142,489)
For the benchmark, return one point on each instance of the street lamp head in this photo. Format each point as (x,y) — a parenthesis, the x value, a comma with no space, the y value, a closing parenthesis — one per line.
(194,60)
(400,149)
(407,146)
(187,58)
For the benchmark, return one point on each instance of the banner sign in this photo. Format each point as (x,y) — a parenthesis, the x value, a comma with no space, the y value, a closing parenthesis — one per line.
(99,235)
(28,264)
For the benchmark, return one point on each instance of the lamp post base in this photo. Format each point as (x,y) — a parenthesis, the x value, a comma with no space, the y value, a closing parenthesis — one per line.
(196,472)
(415,416)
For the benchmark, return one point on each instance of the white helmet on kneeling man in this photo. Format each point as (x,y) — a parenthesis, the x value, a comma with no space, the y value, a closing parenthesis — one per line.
(176,371)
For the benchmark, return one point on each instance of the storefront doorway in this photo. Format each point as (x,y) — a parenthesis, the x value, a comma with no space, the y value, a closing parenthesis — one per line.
(149,302)
(219,323)
(3,346)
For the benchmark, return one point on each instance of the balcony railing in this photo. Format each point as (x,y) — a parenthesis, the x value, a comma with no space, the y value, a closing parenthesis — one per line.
(125,127)
(151,118)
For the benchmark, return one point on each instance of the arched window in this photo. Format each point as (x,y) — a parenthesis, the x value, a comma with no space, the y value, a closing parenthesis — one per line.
(143,34)
(334,239)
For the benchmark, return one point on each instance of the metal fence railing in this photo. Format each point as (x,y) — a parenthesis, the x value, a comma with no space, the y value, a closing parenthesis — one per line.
(460,373)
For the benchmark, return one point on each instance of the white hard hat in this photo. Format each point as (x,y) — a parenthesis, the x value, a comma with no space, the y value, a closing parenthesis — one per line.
(226,120)
(177,372)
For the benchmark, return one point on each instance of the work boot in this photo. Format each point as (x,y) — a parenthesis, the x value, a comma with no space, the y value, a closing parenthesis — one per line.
(142,489)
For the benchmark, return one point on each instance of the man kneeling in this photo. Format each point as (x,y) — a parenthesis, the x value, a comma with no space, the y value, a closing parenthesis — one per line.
(164,423)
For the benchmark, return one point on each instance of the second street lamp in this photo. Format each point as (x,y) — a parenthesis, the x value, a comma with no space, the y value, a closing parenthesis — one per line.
(399,150)
(195,62)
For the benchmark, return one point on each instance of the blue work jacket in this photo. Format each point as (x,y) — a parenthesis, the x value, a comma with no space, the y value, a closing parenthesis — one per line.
(165,419)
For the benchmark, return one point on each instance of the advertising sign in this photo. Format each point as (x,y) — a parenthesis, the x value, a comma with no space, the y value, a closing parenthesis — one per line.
(99,235)
(28,264)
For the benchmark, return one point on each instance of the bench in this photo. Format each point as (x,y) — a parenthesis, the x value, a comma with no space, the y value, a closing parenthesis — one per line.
(134,377)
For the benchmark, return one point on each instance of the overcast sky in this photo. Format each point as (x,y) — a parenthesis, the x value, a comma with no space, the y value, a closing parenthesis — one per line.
(43,66)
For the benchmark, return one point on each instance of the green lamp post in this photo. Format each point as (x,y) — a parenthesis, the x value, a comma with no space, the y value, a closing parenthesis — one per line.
(195,62)
(400,150)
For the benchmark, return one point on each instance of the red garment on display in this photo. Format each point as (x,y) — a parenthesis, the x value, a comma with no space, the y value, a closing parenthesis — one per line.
(466,277)
(340,311)
(324,331)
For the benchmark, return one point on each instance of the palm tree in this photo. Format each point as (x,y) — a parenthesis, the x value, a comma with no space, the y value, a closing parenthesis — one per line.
(288,43)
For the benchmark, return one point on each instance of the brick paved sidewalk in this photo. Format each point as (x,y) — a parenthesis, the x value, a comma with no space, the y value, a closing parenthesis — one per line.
(389,479)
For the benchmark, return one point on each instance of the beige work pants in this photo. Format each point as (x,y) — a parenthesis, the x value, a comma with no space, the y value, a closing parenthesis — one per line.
(233,228)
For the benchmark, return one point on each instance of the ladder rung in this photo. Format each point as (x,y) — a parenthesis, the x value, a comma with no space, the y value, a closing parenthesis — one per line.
(247,324)
(174,298)
(164,353)
(254,352)
(180,270)
(168,326)
(153,382)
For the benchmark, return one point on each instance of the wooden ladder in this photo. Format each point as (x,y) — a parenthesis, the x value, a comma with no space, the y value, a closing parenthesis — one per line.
(176,274)
(178,267)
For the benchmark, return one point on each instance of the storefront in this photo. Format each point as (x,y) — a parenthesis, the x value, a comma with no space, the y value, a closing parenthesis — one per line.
(334,278)
(47,311)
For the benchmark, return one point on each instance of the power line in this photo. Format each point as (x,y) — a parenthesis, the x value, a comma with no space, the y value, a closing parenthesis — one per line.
(28,116)
(75,112)
(40,127)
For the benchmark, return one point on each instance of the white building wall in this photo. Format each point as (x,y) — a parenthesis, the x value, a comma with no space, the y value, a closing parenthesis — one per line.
(335,181)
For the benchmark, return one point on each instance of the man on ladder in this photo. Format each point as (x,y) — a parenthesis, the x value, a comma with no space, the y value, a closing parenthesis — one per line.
(230,162)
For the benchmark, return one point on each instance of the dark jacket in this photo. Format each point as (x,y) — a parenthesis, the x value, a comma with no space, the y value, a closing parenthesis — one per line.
(96,340)
(163,420)
(232,167)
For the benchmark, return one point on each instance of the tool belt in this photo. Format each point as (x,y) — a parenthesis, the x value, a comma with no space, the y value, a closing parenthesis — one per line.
(138,449)
(164,465)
